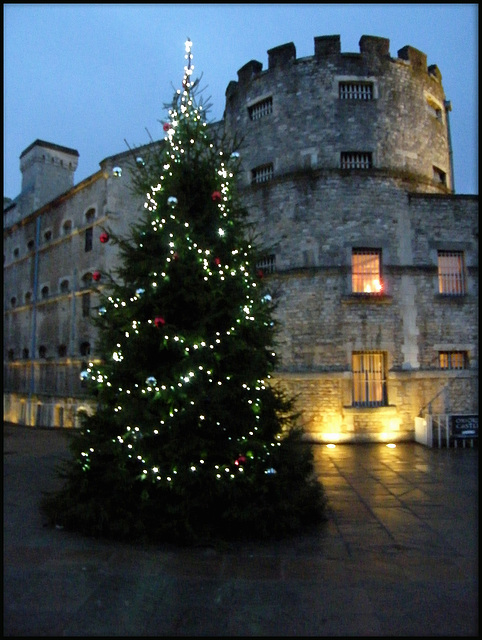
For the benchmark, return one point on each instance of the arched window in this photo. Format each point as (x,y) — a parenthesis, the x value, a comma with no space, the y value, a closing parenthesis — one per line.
(28,297)
(90,214)
(45,292)
(11,354)
(13,301)
(62,350)
(67,227)
(64,286)
(86,279)
(30,245)
(42,351)
(25,353)
(48,236)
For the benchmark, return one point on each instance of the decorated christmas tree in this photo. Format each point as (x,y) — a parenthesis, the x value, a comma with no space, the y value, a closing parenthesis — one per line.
(191,441)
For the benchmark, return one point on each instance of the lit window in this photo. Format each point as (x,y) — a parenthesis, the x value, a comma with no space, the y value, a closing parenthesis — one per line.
(369,379)
(451,272)
(262,174)
(356,160)
(453,360)
(356,90)
(260,109)
(366,271)
(267,264)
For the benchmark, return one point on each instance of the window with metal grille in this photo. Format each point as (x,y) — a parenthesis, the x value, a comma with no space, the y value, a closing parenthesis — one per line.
(261,109)
(369,379)
(451,273)
(356,160)
(88,238)
(366,276)
(267,264)
(356,90)
(262,174)
(453,359)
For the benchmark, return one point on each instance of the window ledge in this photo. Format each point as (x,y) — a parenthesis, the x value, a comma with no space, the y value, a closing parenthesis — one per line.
(367,298)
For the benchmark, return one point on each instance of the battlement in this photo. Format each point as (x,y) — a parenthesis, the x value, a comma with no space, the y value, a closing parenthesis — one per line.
(372,49)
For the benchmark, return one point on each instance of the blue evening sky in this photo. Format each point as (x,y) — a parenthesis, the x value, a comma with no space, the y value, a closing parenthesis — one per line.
(88,76)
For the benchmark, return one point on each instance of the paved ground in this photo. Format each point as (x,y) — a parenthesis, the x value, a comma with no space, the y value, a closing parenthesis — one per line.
(398,557)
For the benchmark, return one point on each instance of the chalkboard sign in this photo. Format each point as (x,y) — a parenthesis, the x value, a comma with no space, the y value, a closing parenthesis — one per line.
(465,426)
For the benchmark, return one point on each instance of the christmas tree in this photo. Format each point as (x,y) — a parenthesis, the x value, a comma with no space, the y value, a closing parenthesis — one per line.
(191,441)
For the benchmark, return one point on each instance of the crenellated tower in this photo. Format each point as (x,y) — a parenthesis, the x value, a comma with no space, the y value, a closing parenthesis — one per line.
(338,111)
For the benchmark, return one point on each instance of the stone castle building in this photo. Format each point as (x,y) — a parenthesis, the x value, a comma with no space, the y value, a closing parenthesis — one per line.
(347,173)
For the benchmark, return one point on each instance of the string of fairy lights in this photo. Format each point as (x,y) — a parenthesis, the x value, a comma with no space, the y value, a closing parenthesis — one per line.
(212,267)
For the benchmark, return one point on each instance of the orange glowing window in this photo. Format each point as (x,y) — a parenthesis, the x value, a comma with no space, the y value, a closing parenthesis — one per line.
(451,272)
(366,271)
(369,379)
(453,359)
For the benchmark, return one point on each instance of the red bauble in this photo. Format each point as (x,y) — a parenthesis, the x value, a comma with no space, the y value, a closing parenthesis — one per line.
(104,237)
(260,273)
(216,196)
(217,261)
(159,321)
(96,276)
(166,126)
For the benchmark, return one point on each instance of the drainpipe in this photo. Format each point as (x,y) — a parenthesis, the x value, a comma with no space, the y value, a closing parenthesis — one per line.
(448,108)
(34,321)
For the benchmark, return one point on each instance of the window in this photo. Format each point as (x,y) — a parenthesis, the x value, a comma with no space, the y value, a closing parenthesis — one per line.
(11,354)
(30,245)
(439,176)
(28,297)
(47,236)
(85,348)
(42,351)
(366,275)
(453,359)
(356,160)
(434,107)
(62,350)
(16,252)
(67,227)
(451,272)
(267,264)
(88,238)
(13,301)
(262,174)
(356,90)
(25,353)
(90,214)
(45,292)
(85,305)
(261,108)
(64,286)
(369,379)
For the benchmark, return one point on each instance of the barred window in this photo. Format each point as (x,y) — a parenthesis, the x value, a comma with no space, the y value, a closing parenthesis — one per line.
(451,272)
(262,174)
(267,264)
(261,109)
(356,90)
(369,379)
(366,276)
(453,359)
(356,160)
